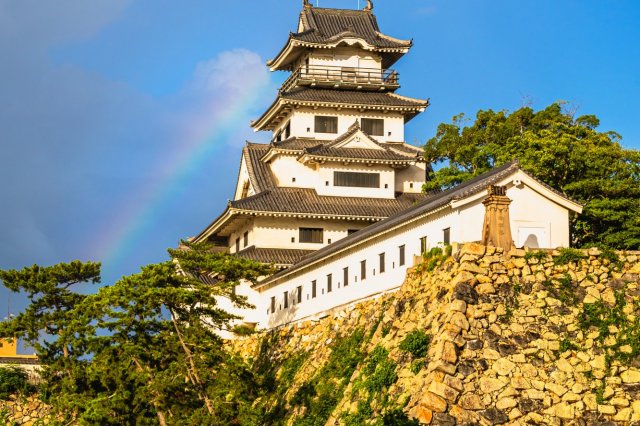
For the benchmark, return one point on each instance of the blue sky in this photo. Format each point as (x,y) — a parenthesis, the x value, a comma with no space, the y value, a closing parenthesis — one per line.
(122,120)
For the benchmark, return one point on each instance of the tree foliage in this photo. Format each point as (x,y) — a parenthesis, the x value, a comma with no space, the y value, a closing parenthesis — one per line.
(143,350)
(567,153)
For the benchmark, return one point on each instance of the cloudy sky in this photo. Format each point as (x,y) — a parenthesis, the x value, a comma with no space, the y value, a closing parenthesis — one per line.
(121,121)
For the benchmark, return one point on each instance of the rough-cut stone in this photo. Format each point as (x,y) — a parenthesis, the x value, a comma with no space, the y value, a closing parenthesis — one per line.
(488,384)
(422,414)
(495,416)
(506,403)
(503,366)
(444,391)
(555,388)
(433,402)
(630,376)
(564,411)
(471,401)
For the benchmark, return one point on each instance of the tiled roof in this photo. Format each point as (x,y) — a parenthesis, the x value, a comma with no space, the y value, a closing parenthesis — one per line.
(352,97)
(274,255)
(296,144)
(430,203)
(259,172)
(26,360)
(308,202)
(322,151)
(327,25)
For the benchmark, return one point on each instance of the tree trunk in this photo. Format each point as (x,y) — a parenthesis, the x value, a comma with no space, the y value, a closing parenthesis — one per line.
(193,371)
(161,417)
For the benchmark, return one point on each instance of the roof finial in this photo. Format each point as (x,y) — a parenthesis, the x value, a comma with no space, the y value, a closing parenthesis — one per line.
(306,4)
(369,6)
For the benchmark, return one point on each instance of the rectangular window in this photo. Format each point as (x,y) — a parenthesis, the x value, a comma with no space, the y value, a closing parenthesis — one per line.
(423,245)
(286,299)
(363,270)
(246,239)
(373,126)
(345,277)
(356,179)
(447,236)
(311,235)
(299,294)
(313,289)
(329,283)
(325,124)
(237,244)
(401,255)
(273,304)
(382,265)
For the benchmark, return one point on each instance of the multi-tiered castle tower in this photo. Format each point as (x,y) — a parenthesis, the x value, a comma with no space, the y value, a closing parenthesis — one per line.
(337,160)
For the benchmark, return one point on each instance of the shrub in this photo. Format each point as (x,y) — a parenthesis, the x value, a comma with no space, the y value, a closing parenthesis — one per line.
(540,255)
(568,255)
(417,365)
(380,371)
(416,343)
(13,380)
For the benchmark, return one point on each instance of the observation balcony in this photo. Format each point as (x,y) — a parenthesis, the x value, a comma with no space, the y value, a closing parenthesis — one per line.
(370,79)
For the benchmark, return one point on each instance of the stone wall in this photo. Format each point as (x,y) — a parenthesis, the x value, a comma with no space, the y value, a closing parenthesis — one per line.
(515,338)
(24,411)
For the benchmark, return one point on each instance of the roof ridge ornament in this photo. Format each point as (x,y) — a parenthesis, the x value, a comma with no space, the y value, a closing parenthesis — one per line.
(369,6)
(307,4)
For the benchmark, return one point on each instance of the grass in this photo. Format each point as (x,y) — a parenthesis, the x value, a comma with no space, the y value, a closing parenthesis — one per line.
(568,255)
(416,343)
(539,255)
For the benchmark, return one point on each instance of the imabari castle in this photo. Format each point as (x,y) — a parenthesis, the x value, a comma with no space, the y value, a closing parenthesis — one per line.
(335,200)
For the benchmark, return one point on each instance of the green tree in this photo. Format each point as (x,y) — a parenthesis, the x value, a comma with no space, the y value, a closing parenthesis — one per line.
(567,153)
(143,350)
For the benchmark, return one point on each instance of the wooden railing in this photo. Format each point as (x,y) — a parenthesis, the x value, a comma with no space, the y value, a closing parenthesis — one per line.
(331,75)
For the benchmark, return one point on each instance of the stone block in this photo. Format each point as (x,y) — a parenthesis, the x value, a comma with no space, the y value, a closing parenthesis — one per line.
(630,376)
(433,402)
(471,401)
(503,366)
(444,391)
(557,389)
(473,249)
(489,384)
(506,403)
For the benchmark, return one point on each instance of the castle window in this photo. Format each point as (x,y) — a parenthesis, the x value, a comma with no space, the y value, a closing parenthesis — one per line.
(345,277)
(237,244)
(373,126)
(401,255)
(245,237)
(273,304)
(423,245)
(446,238)
(325,124)
(311,235)
(299,294)
(382,262)
(356,179)
(286,299)
(363,270)
(329,283)
(313,289)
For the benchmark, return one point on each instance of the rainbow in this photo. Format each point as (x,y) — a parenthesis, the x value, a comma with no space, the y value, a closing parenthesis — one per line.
(136,214)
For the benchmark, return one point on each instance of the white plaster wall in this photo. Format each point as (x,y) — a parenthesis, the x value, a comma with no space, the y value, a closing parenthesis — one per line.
(303,123)
(465,222)
(387,177)
(248,226)
(374,283)
(344,57)
(243,178)
(278,232)
(287,167)
(410,179)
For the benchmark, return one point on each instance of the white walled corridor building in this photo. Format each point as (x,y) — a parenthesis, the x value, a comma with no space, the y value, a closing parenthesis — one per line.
(335,199)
